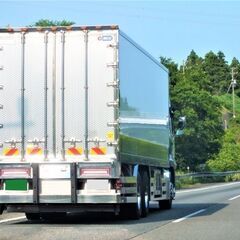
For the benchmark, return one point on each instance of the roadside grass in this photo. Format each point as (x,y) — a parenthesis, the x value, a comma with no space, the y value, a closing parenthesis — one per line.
(189,182)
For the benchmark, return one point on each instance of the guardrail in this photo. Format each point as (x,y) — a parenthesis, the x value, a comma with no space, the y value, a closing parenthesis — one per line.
(190,179)
(207,174)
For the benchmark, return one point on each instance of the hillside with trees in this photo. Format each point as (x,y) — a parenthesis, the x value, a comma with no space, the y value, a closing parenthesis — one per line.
(199,87)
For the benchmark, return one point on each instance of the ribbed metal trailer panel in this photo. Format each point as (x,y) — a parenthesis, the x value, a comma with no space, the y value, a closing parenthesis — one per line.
(57,81)
(85,110)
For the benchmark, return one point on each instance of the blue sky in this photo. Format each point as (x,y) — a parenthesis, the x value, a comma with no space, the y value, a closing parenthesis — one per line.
(164,28)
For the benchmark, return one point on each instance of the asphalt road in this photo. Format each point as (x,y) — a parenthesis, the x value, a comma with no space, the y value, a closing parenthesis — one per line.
(206,213)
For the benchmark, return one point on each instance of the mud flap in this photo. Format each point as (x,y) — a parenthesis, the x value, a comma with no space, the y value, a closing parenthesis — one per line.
(2,207)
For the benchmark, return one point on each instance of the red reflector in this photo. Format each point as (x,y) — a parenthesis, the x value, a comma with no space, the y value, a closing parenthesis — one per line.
(24,29)
(118,184)
(15,172)
(103,172)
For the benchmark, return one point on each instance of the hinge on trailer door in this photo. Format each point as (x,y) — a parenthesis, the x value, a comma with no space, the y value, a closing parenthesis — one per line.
(1,125)
(113,64)
(1,87)
(73,141)
(36,141)
(113,45)
(113,104)
(112,124)
(13,142)
(1,106)
(112,144)
(96,141)
(1,67)
(1,48)
(113,84)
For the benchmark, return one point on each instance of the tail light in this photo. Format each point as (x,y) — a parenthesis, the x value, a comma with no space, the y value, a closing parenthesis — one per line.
(15,172)
(92,172)
(118,184)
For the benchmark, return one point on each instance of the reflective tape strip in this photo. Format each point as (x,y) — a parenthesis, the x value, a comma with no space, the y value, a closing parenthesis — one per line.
(98,151)
(34,151)
(74,151)
(11,152)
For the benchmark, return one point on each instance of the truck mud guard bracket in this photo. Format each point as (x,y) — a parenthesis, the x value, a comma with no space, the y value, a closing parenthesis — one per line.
(73,183)
(35,169)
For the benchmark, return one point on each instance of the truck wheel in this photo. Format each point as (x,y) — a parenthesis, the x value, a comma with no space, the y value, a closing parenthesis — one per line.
(2,207)
(53,215)
(145,196)
(167,204)
(134,210)
(32,216)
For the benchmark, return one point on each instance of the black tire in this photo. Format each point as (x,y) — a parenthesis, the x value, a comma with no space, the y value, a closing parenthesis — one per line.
(32,216)
(53,215)
(165,204)
(134,210)
(2,208)
(145,194)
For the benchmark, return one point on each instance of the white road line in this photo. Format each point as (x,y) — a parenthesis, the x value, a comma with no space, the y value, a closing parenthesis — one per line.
(233,198)
(12,219)
(188,216)
(208,188)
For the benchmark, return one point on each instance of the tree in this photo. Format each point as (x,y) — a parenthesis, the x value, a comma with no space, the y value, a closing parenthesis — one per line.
(50,23)
(236,65)
(201,139)
(228,158)
(193,59)
(173,70)
(191,97)
(218,72)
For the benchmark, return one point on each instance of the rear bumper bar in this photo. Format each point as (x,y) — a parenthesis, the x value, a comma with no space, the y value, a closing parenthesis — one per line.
(44,208)
(86,199)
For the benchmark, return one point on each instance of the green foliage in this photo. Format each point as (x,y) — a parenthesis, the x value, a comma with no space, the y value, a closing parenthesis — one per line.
(50,23)
(218,72)
(199,92)
(204,127)
(228,158)
(233,178)
(190,98)
(226,101)
(173,70)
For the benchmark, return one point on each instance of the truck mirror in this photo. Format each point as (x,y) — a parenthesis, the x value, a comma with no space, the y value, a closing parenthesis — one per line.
(179,132)
(181,126)
(181,123)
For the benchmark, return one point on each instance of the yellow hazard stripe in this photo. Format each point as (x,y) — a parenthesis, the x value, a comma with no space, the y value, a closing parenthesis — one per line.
(34,151)
(98,151)
(74,151)
(11,152)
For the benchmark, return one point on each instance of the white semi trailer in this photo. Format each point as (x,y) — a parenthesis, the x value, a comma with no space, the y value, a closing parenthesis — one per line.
(84,123)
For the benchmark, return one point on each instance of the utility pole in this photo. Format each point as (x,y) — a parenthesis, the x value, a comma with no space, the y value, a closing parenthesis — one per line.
(233,85)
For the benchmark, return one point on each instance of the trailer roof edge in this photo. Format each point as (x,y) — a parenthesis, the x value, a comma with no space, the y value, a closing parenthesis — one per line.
(58,28)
